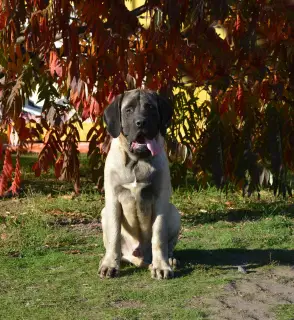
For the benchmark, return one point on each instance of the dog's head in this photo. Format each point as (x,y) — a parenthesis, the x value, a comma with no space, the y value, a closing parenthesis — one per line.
(140,115)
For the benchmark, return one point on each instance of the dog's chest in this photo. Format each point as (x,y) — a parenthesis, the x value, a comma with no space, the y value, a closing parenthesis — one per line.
(140,184)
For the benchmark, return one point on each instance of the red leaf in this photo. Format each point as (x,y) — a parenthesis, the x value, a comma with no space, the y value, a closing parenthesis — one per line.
(1,150)
(239,93)
(6,172)
(153,83)
(81,88)
(24,134)
(52,62)
(17,177)
(43,25)
(224,107)
(239,102)
(73,252)
(86,109)
(3,236)
(36,168)
(58,166)
(7,165)
(55,64)
(111,96)
(264,92)
(59,70)
(94,107)
(239,26)
(8,132)
(3,18)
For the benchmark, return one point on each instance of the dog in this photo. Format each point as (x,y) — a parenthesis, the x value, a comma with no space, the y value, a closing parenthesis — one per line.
(139,224)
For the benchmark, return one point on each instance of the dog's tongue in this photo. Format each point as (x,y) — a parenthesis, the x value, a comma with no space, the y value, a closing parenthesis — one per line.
(153,146)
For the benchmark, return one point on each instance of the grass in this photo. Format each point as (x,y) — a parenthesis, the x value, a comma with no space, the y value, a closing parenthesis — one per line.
(51,244)
(285,312)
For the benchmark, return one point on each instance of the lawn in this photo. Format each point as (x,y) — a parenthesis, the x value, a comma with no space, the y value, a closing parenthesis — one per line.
(236,255)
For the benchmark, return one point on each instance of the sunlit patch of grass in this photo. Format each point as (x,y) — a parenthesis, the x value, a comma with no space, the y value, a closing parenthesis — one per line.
(285,312)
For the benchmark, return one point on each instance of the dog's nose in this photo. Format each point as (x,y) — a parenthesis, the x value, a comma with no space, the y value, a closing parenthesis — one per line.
(140,123)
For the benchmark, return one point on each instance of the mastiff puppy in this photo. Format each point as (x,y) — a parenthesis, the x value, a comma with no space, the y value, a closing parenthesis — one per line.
(139,223)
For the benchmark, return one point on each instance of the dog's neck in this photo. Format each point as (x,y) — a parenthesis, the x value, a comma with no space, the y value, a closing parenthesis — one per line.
(130,163)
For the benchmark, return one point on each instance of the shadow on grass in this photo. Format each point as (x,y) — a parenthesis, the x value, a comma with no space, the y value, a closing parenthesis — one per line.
(225,259)
(46,186)
(47,183)
(258,211)
(53,187)
(231,258)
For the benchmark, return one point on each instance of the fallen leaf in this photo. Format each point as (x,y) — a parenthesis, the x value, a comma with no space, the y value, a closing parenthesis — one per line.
(73,252)
(3,236)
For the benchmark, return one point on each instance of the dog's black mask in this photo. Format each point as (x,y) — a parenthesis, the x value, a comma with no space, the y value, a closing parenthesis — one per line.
(139,115)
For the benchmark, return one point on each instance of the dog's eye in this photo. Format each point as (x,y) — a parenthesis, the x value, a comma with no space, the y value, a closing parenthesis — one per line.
(149,106)
(129,111)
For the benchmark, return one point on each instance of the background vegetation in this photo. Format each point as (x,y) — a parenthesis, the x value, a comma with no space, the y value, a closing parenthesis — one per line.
(90,51)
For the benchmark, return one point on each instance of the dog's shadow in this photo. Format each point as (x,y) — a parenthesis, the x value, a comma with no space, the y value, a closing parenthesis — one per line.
(231,258)
(225,259)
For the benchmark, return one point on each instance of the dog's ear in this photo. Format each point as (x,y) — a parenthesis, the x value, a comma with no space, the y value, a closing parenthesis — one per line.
(112,117)
(166,112)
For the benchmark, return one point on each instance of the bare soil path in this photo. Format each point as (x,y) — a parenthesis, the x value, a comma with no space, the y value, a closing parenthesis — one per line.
(254,297)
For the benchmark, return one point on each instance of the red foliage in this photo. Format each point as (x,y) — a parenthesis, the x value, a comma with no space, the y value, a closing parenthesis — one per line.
(227,99)
(17,177)
(239,102)
(37,169)
(102,45)
(6,173)
(238,27)
(55,64)
(58,166)
(49,154)
(1,150)
(264,92)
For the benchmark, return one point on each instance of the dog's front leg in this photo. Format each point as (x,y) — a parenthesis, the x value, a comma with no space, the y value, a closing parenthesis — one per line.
(111,225)
(160,268)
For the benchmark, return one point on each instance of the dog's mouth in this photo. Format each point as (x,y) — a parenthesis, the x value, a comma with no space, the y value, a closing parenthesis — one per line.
(142,145)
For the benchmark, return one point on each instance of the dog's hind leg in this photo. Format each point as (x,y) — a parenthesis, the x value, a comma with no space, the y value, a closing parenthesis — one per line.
(136,261)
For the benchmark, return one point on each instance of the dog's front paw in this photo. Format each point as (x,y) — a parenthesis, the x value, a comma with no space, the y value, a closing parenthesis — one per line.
(108,269)
(161,270)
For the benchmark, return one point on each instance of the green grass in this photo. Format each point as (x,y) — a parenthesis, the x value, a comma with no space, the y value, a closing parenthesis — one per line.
(285,312)
(51,244)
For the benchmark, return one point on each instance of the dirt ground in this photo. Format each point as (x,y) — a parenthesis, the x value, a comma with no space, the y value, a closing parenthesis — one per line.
(253,297)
